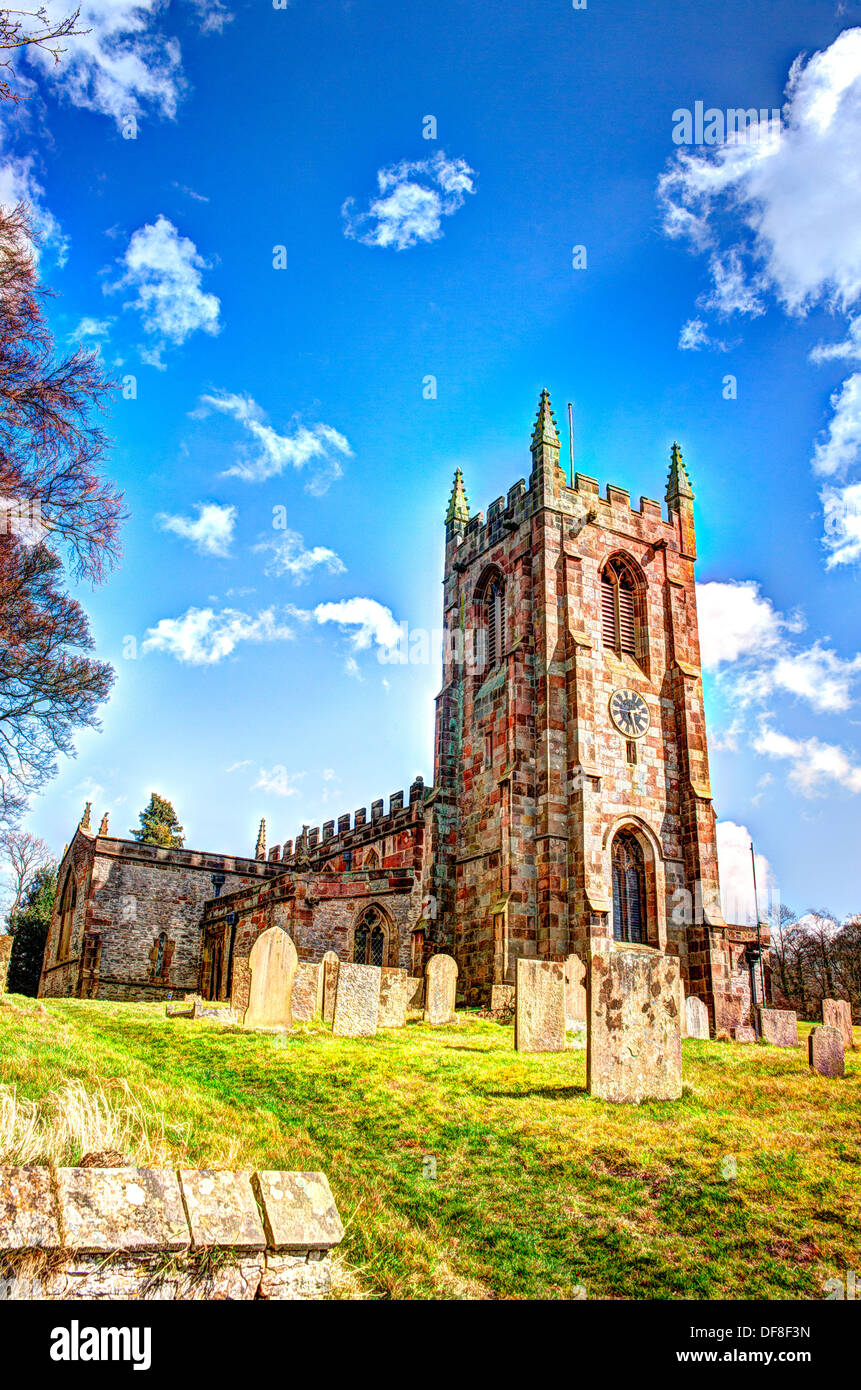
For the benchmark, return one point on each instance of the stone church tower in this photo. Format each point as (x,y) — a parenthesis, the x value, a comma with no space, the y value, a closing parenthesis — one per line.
(571,805)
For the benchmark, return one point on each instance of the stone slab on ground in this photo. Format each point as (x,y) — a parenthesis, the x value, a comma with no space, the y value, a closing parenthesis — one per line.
(745,1034)
(28,1217)
(539,1019)
(222,1209)
(357,1001)
(123,1209)
(635,1048)
(825,1051)
(299,1211)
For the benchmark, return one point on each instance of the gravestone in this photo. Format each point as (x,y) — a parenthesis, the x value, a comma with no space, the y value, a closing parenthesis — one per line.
(779,1027)
(416,999)
(440,985)
(680,1005)
(306,991)
(745,1034)
(330,964)
(576,1003)
(634,1050)
(836,1013)
(396,990)
(696,1018)
(5,953)
(357,1001)
(825,1051)
(539,1018)
(502,1001)
(272,963)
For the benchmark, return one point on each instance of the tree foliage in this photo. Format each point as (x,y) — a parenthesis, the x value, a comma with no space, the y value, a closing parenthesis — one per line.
(815,957)
(159,825)
(29,929)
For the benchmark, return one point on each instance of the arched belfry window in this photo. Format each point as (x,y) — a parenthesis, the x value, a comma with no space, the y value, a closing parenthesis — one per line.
(493,619)
(629,889)
(67,915)
(370,939)
(618,608)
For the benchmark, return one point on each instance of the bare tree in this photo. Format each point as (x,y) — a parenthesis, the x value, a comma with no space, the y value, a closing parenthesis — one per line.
(32,29)
(23,856)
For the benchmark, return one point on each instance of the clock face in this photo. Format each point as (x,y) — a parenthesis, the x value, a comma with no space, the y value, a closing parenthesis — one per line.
(629,712)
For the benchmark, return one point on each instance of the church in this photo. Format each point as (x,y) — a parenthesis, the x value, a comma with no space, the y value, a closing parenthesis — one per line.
(570,811)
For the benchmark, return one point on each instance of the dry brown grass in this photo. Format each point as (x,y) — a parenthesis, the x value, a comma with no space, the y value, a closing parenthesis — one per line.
(74,1120)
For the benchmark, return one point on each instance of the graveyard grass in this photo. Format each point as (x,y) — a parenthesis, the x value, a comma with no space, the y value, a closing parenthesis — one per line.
(539,1188)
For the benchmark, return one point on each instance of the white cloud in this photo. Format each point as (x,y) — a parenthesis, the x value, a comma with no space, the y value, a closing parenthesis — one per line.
(234,767)
(166,271)
(290,558)
(818,675)
(736,875)
(211,532)
(214,16)
(842,508)
(736,621)
(814,766)
(318,447)
(278,781)
(793,200)
(19,184)
(414,196)
(693,335)
(375,625)
(122,65)
(91,328)
(202,637)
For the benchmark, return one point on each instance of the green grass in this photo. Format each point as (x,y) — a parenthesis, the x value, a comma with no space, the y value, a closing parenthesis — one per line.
(539,1188)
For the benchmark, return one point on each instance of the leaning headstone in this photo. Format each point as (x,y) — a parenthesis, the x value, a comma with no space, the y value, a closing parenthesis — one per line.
(539,1018)
(357,1002)
(330,965)
(272,962)
(779,1027)
(745,1034)
(696,1018)
(825,1051)
(836,1013)
(5,954)
(396,990)
(576,1003)
(306,991)
(440,986)
(634,1048)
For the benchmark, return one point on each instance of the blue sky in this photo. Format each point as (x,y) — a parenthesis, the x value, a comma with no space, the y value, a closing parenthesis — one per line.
(248,679)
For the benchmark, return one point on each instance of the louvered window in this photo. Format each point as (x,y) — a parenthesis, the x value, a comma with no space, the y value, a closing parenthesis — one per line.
(494,621)
(629,889)
(618,625)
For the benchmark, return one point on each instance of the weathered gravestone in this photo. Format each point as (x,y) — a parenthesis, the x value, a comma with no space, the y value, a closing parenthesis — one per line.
(825,1051)
(416,999)
(330,964)
(5,953)
(576,1001)
(696,1018)
(836,1013)
(634,1048)
(396,990)
(779,1027)
(440,986)
(357,1001)
(306,991)
(502,1001)
(272,963)
(745,1034)
(539,1019)
(680,1005)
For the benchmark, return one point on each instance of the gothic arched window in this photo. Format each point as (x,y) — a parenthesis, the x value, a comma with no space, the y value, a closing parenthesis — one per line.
(370,939)
(493,619)
(67,914)
(618,605)
(629,889)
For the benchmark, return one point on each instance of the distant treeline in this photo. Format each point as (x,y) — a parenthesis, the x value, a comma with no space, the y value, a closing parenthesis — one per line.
(815,957)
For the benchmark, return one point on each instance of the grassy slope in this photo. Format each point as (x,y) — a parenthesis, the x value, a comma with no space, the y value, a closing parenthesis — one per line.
(539,1188)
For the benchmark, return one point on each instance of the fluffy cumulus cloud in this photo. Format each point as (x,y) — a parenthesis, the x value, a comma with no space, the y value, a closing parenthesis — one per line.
(414,196)
(210,532)
(368,622)
(122,66)
(203,637)
(815,768)
(317,448)
(165,271)
(789,204)
(290,558)
(278,781)
(19,183)
(735,864)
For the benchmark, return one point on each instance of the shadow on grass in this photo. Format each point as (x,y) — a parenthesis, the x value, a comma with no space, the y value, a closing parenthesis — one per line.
(548,1092)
